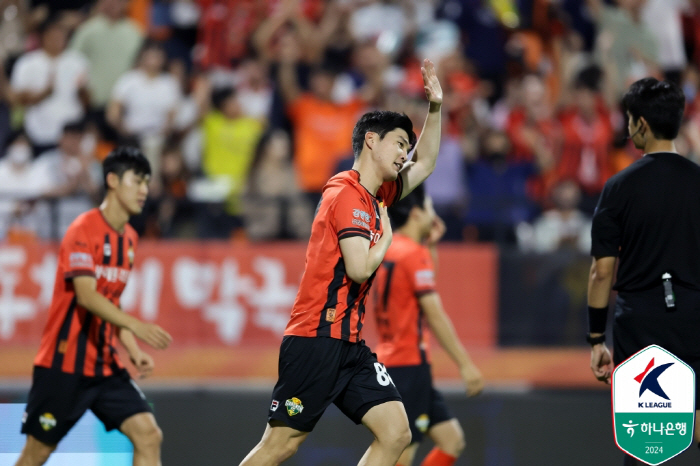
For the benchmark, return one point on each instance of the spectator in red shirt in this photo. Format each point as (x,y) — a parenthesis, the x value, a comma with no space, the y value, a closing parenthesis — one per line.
(588,137)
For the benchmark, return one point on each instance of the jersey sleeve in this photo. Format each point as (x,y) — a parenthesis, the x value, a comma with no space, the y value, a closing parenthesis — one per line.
(606,231)
(421,273)
(390,191)
(76,256)
(350,215)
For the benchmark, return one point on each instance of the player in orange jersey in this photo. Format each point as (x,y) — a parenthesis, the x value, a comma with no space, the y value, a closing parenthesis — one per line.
(77,367)
(323,358)
(406,300)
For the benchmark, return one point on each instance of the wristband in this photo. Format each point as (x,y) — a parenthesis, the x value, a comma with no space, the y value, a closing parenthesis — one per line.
(434,107)
(595,340)
(597,319)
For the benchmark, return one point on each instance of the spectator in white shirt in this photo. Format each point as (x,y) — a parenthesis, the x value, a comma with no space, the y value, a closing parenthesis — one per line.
(51,83)
(20,185)
(144,103)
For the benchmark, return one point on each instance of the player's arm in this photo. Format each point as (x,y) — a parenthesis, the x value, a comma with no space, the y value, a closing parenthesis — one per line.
(88,297)
(142,361)
(361,261)
(425,155)
(599,286)
(444,331)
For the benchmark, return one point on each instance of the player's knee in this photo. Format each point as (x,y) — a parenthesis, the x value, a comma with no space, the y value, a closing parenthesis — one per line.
(399,438)
(457,446)
(149,438)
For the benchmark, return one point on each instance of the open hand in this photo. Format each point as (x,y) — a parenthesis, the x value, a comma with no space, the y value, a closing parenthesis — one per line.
(431,84)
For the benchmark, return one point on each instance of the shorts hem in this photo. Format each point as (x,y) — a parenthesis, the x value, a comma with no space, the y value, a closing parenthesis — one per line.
(292,425)
(364,409)
(144,409)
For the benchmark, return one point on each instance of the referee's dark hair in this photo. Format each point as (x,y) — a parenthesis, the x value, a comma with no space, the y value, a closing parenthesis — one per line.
(399,212)
(122,159)
(661,103)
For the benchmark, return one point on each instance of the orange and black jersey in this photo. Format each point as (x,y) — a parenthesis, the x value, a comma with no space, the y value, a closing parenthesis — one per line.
(75,340)
(328,303)
(406,274)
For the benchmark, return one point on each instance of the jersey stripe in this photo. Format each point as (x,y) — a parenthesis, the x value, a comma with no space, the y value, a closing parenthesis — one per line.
(423,356)
(62,340)
(99,360)
(324,326)
(82,343)
(120,251)
(106,247)
(350,302)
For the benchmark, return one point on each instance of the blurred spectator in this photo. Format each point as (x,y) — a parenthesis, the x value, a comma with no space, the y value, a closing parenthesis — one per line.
(20,185)
(322,128)
(73,179)
(13,27)
(663,18)
(275,207)
(562,227)
(254,89)
(498,192)
(110,41)
(144,103)
(230,139)
(51,83)
(588,137)
(625,47)
(175,23)
(535,134)
(385,21)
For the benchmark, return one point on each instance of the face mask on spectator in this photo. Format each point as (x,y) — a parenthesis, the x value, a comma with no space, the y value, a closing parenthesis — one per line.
(19,154)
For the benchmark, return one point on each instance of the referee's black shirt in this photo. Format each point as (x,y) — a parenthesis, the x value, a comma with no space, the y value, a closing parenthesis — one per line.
(649,216)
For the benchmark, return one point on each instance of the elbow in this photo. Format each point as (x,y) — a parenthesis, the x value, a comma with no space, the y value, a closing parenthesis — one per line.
(601,275)
(358,276)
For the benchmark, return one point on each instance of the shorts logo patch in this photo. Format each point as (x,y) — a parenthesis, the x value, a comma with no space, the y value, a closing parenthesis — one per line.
(294,406)
(330,314)
(275,404)
(423,422)
(47,421)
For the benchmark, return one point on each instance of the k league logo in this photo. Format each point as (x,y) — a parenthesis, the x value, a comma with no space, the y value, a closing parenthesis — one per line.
(653,394)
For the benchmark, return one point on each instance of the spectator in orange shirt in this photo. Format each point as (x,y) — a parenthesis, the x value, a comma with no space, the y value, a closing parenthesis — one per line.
(322,127)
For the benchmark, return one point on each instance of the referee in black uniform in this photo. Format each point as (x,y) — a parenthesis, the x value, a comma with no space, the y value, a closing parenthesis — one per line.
(648,217)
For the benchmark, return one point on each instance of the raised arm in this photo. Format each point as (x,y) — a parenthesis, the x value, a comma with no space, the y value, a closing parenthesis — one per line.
(425,155)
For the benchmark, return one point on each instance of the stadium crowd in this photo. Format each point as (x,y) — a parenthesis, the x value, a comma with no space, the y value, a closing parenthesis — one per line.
(245,107)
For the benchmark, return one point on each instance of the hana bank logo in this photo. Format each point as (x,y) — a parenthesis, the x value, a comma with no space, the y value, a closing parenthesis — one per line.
(649,381)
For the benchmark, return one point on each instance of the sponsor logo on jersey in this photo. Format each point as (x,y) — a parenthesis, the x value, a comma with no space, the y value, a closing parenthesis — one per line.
(80,260)
(112,274)
(330,314)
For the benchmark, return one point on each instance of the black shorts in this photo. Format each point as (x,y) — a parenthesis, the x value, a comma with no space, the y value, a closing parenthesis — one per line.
(642,319)
(315,372)
(57,401)
(424,405)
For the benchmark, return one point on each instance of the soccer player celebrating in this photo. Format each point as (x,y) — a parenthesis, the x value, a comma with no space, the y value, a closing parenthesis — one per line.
(77,367)
(405,300)
(323,358)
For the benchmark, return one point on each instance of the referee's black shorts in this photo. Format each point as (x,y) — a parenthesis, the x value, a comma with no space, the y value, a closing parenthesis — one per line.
(642,319)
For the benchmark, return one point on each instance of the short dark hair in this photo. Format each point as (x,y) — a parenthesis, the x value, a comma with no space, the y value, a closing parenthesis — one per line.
(123,159)
(589,78)
(220,95)
(399,212)
(76,127)
(661,103)
(380,122)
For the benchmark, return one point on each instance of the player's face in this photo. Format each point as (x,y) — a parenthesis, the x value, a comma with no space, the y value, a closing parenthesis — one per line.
(132,191)
(391,153)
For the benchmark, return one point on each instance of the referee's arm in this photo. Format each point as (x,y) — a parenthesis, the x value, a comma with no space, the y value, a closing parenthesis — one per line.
(599,286)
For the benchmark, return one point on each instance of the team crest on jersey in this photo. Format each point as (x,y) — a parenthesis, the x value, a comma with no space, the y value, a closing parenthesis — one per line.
(423,422)
(47,421)
(330,314)
(131,255)
(294,406)
(107,250)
